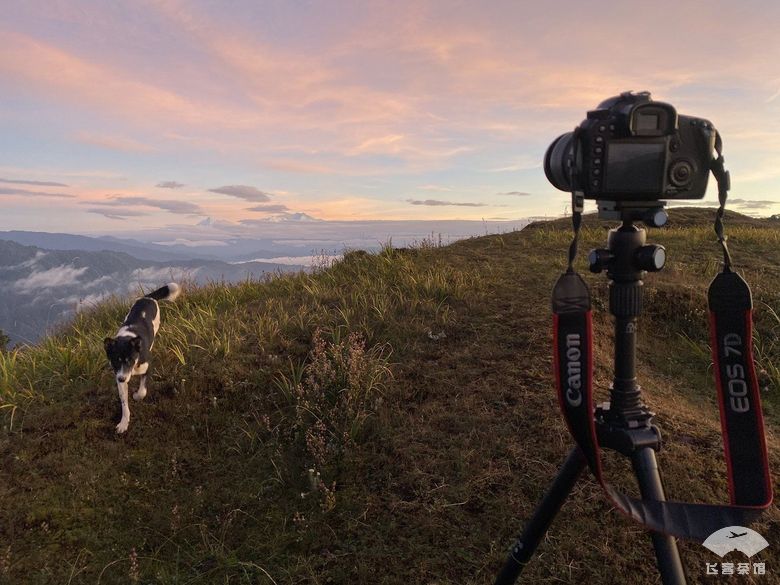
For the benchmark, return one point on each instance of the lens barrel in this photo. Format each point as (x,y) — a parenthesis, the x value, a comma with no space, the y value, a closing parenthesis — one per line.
(555,161)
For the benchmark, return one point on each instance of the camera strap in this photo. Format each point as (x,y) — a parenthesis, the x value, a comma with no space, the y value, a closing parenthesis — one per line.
(730,306)
(731,340)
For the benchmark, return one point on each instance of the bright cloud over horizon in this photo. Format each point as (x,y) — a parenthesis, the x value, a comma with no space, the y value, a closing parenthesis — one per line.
(162,111)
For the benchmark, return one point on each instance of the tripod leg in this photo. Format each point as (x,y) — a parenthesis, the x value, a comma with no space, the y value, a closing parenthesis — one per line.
(666,553)
(545,513)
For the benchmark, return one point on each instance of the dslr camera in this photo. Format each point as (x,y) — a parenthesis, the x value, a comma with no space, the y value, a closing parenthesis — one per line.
(631,151)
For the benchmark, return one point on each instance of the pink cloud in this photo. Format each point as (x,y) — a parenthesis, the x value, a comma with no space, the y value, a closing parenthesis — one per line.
(41,67)
(114,142)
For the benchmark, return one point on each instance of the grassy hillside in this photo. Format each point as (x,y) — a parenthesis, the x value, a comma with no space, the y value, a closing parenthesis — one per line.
(387,420)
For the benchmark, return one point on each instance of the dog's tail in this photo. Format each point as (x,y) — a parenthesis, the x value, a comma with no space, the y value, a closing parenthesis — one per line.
(169,292)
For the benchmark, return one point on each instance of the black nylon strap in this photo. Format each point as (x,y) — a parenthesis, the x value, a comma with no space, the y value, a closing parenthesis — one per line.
(731,322)
(730,307)
(577,198)
(724,185)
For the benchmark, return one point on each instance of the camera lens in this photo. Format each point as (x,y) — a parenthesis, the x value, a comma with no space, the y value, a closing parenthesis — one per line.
(681,173)
(555,161)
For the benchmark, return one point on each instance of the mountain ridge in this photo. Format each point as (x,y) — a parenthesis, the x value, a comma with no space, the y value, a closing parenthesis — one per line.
(42,287)
(63,241)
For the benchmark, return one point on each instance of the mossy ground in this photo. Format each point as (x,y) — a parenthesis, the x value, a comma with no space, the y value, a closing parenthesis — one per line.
(429,476)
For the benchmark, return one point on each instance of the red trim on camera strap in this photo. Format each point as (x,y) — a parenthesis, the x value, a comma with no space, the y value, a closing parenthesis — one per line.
(741,419)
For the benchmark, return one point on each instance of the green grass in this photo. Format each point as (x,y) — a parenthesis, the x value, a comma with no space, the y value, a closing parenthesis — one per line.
(389,419)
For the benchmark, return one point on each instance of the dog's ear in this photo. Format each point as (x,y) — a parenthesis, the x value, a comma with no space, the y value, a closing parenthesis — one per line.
(135,342)
(108,343)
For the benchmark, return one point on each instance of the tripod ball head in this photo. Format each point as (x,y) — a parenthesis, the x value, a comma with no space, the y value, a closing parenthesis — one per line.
(650,258)
(627,256)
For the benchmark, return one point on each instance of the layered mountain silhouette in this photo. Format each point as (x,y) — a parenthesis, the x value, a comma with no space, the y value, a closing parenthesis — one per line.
(43,287)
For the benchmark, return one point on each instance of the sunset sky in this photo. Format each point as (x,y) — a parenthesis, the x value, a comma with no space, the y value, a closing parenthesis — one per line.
(164,112)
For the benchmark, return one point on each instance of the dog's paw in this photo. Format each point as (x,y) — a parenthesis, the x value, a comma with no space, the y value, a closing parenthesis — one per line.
(139,395)
(122,426)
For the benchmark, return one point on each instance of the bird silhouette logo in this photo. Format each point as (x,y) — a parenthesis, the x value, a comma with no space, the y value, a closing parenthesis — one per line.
(745,540)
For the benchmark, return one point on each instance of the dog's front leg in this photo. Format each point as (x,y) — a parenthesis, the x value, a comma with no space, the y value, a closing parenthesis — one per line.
(140,394)
(123,424)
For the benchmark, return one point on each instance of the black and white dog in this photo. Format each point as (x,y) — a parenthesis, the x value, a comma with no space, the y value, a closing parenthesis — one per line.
(128,352)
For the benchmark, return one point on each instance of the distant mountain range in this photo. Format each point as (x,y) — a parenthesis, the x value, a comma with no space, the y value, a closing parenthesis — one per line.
(43,286)
(46,277)
(210,243)
(54,241)
(292,235)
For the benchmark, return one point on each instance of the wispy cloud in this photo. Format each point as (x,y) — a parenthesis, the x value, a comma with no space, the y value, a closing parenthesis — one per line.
(289,165)
(171,205)
(437,203)
(86,302)
(39,65)
(125,201)
(27,263)
(116,213)
(51,278)
(390,143)
(434,188)
(169,185)
(27,193)
(152,276)
(524,163)
(515,194)
(37,183)
(270,208)
(684,203)
(120,143)
(246,192)
(753,203)
(289,220)
(742,205)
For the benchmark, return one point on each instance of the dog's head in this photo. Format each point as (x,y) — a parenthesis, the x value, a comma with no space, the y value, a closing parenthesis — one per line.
(123,353)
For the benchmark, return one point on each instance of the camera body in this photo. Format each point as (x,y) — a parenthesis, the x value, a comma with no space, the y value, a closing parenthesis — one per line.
(631,148)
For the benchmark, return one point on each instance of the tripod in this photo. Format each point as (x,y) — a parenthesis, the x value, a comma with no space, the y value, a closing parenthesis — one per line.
(623,424)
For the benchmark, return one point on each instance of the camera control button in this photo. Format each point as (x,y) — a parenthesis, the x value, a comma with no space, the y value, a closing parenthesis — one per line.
(602,128)
(681,173)
(596,172)
(599,259)
(596,161)
(598,150)
(651,258)
(599,139)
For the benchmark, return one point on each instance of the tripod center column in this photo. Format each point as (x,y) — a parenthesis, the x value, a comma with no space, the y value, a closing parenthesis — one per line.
(625,304)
